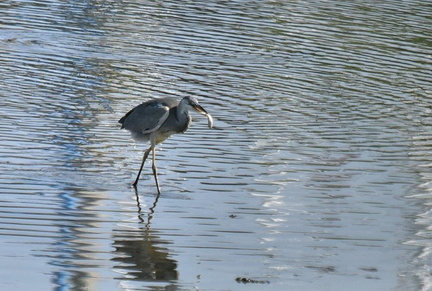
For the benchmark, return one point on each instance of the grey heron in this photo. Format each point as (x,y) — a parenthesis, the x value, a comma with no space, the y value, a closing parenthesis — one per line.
(156,120)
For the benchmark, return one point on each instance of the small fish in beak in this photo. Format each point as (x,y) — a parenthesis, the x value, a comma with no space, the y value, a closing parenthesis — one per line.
(201,110)
(210,120)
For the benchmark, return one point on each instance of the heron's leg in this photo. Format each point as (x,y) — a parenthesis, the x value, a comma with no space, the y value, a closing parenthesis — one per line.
(155,170)
(142,165)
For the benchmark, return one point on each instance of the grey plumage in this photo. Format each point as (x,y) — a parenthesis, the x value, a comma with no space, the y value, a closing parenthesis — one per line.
(156,120)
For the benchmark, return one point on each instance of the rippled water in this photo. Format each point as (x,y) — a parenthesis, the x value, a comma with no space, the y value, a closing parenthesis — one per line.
(317,177)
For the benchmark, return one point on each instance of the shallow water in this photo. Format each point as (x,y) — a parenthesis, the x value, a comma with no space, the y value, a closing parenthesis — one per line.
(317,175)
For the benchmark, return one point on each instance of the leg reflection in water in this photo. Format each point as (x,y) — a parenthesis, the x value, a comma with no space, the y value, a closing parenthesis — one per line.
(141,253)
(151,209)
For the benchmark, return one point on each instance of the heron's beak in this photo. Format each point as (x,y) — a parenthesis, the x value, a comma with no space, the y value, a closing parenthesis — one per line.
(201,110)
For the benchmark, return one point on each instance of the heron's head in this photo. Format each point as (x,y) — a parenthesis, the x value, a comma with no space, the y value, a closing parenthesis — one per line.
(192,103)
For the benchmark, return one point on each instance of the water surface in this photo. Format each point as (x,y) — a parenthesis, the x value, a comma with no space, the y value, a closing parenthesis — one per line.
(317,175)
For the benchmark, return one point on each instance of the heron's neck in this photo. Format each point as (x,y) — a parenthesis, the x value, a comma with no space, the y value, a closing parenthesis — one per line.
(182,112)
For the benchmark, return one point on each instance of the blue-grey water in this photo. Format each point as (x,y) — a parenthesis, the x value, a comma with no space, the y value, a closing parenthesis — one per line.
(317,176)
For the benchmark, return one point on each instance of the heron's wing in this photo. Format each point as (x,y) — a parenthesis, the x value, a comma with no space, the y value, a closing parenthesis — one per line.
(146,118)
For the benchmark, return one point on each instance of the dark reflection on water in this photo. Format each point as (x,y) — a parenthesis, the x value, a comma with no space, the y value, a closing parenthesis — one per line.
(141,253)
(144,258)
(318,174)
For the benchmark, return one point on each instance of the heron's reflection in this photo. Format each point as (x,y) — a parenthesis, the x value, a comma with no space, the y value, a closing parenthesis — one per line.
(151,209)
(141,253)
